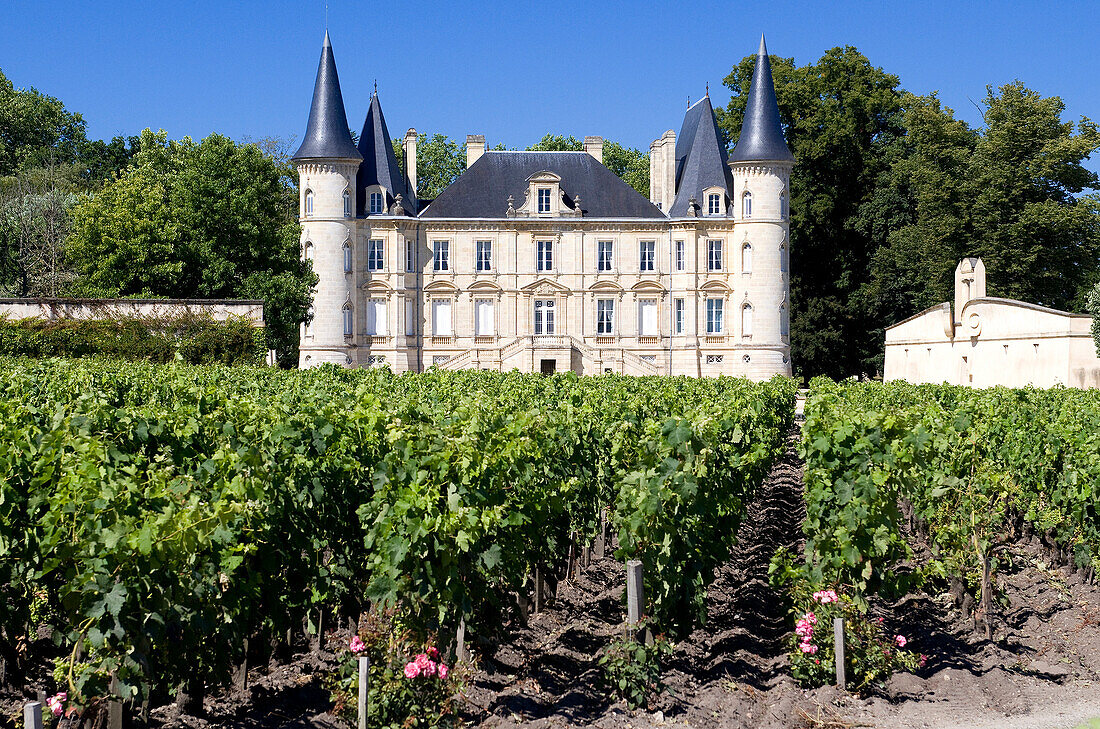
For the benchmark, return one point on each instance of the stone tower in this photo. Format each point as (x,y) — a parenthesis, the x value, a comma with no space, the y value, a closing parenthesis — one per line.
(327,165)
(761,165)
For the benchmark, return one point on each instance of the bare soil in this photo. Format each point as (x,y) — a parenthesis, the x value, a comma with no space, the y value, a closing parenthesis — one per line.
(1040,671)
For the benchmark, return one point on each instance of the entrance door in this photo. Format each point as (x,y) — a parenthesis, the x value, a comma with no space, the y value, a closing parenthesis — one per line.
(548,366)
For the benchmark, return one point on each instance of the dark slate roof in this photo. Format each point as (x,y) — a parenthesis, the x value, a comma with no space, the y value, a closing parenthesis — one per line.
(761,133)
(380,163)
(700,159)
(482,191)
(327,135)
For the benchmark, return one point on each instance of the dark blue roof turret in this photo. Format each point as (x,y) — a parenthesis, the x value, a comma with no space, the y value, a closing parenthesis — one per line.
(761,133)
(700,159)
(380,163)
(327,135)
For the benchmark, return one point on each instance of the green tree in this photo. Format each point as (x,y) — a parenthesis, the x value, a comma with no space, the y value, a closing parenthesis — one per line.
(557,143)
(1038,237)
(1093,308)
(632,165)
(35,129)
(439,162)
(840,116)
(35,219)
(207,220)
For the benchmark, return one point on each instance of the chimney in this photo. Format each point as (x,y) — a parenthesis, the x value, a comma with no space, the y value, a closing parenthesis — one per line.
(654,179)
(410,159)
(594,146)
(475,147)
(669,161)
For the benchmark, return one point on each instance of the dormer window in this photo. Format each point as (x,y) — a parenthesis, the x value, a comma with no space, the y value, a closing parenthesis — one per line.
(347,204)
(377,203)
(714,204)
(544,199)
(543,196)
(746,205)
(309,203)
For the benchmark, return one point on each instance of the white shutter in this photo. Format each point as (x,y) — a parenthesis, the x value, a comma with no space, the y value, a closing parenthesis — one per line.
(410,321)
(486,321)
(441,318)
(647,317)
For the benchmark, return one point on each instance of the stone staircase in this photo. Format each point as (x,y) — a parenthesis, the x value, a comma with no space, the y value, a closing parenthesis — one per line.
(509,355)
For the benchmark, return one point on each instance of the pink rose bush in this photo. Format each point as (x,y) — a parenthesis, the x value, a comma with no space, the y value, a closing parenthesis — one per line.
(56,703)
(872,654)
(409,684)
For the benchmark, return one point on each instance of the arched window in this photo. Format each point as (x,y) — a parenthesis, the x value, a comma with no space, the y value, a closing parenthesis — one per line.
(309,251)
(347,320)
(746,258)
(746,205)
(309,203)
(746,321)
(309,322)
(783,205)
(785,322)
(347,204)
(347,257)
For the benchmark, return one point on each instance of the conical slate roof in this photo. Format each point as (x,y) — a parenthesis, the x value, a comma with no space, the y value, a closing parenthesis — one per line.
(700,158)
(380,163)
(327,135)
(761,133)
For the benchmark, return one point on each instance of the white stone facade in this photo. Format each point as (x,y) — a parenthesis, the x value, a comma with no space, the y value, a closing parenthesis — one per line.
(985,341)
(739,260)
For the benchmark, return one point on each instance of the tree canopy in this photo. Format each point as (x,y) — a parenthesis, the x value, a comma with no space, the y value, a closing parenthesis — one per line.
(212,219)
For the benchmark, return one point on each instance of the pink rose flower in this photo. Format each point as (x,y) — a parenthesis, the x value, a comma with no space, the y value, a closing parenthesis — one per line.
(443,670)
(357,645)
(430,669)
(433,653)
(422,661)
(412,670)
(900,640)
(808,648)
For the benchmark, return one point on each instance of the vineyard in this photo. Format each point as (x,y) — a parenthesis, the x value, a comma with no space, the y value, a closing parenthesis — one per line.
(157,518)
(167,524)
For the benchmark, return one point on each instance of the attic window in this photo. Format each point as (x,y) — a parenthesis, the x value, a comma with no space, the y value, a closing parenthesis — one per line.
(376,203)
(714,204)
(544,199)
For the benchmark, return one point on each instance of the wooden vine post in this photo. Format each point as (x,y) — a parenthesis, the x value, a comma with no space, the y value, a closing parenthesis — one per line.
(364,675)
(838,651)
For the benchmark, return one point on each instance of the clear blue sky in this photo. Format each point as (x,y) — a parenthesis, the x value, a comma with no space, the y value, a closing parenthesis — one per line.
(512,71)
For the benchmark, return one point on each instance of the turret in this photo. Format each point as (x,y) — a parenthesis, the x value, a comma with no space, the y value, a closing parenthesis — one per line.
(327,165)
(761,166)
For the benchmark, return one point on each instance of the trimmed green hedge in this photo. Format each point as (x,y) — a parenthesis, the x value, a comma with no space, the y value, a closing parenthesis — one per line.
(195,340)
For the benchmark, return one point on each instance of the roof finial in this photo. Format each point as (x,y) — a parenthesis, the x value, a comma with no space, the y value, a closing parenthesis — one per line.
(689,102)
(708,90)
(763,48)
(376,87)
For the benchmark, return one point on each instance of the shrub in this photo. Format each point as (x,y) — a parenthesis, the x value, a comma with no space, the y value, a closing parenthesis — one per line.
(632,669)
(193,339)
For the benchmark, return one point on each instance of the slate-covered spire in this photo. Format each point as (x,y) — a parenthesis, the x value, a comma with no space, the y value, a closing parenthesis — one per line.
(761,133)
(380,163)
(327,135)
(700,158)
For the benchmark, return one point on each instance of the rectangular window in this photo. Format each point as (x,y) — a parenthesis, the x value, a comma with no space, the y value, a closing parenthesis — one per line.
(679,255)
(375,255)
(441,255)
(544,316)
(714,316)
(646,254)
(441,318)
(410,318)
(605,251)
(485,317)
(376,318)
(376,203)
(544,199)
(544,255)
(714,359)
(647,317)
(410,256)
(714,204)
(678,316)
(714,255)
(605,316)
(484,255)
